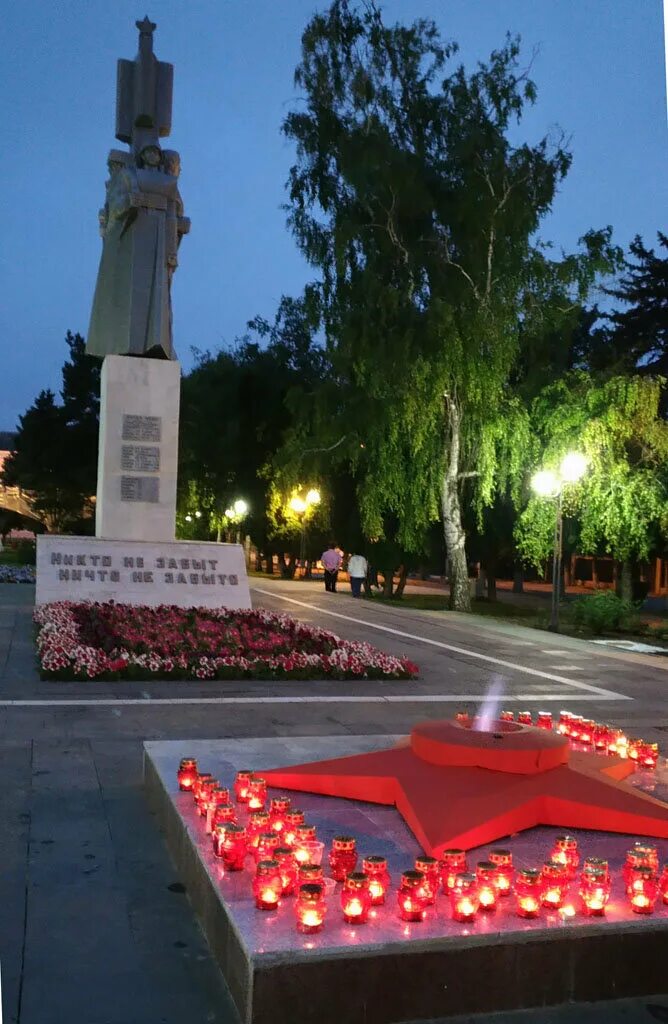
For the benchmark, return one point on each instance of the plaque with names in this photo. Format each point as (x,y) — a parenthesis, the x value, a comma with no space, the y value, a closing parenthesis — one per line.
(140,459)
(142,428)
(140,488)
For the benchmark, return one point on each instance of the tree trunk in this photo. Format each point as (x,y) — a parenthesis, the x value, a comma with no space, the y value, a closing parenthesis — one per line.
(270,564)
(453,532)
(626,581)
(491,584)
(481,579)
(518,579)
(388,582)
(403,576)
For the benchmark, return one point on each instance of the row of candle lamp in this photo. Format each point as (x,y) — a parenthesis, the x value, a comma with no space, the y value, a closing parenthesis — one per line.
(603,738)
(288,855)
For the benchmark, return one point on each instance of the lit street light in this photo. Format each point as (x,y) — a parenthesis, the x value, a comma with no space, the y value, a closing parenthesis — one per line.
(301,507)
(548,484)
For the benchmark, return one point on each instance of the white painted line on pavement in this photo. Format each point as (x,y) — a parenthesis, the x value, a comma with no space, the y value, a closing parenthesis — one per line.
(568,668)
(450,698)
(589,687)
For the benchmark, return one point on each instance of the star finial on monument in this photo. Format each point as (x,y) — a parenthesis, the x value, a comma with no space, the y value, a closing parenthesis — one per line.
(146,27)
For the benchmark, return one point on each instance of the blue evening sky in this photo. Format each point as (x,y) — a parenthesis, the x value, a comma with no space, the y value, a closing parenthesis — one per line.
(600,75)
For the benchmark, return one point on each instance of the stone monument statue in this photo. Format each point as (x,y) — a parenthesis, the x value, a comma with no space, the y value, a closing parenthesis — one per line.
(142,221)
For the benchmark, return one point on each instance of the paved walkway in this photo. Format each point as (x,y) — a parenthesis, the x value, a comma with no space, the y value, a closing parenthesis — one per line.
(96,927)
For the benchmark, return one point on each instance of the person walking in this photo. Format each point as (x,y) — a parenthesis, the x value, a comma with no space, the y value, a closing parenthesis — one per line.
(357,569)
(331,562)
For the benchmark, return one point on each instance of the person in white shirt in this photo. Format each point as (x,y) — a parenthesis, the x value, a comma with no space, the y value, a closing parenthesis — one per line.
(357,568)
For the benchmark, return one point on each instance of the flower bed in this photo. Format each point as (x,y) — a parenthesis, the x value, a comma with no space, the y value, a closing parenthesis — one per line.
(17,574)
(117,641)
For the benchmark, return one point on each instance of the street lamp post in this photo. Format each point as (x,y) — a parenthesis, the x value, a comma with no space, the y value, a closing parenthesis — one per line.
(301,506)
(548,484)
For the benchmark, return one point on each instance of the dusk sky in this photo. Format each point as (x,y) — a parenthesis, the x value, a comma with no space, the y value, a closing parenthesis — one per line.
(600,74)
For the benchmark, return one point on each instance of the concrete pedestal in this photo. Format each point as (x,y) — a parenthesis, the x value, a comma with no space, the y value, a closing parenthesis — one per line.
(139,439)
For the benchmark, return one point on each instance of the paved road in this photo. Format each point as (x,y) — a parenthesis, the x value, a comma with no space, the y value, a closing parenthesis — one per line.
(96,927)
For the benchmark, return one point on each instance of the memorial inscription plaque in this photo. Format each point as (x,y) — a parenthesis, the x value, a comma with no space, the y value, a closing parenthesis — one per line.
(140,458)
(142,428)
(140,488)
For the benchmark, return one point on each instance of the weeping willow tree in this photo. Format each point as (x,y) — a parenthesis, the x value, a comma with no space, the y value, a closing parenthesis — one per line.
(409,198)
(621,504)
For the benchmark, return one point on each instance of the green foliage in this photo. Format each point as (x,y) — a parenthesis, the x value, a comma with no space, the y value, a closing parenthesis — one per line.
(603,612)
(55,452)
(639,334)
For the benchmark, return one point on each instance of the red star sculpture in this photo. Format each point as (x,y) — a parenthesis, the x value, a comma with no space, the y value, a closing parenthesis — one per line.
(456,787)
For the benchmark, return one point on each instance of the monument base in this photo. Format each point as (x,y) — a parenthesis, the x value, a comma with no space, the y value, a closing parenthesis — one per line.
(139,440)
(185,573)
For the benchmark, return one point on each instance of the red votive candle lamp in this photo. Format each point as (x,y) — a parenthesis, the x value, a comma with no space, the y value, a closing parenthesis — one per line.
(634,748)
(463,718)
(528,886)
(485,872)
(310,909)
(202,800)
(644,891)
(663,883)
(602,737)
(257,793)
(202,777)
(503,862)
(307,873)
(288,868)
(507,716)
(641,855)
(464,900)
(649,755)
(564,725)
(410,897)
(267,885)
(241,782)
(544,720)
(266,844)
(429,868)
(304,838)
(618,744)
(215,798)
(278,808)
(554,878)
(293,817)
(596,864)
(375,868)
(355,898)
(342,857)
(587,730)
(230,845)
(187,773)
(258,822)
(565,851)
(224,814)
(452,863)
(524,718)
(594,891)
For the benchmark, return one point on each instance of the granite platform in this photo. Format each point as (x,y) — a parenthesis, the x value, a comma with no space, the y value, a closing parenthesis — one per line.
(387,971)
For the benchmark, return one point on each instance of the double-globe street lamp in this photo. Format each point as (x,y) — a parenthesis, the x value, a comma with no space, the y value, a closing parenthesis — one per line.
(301,507)
(235,515)
(550,484)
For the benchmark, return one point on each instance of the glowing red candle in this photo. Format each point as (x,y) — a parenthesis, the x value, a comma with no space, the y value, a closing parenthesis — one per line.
(342,857)
(587,729)
(216,797)
(507,716)
(564,726)
(463,718)
(308,873)
(278,808)
(503,862)
(565,851)
(258,822)
(618,744)
(649,755)
(602,737)
(596,864)
(464,900)
(257,793)
(594,891)
(202,799)
(230,845)
(187,773)
(544,720)
(375,868)
(641,855)
(310,909)
(524,718)
(528,887)
(266,844)
(644,891)
(288,869)
(410,897)
(634,748)
(452,863)
(241,782)
(576,727)
(303,847)
(293,818)
(202,777)
(663,883)
(430,869)
(355,898)
(554,878)
(267,885)
(485,872)
(224,814)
